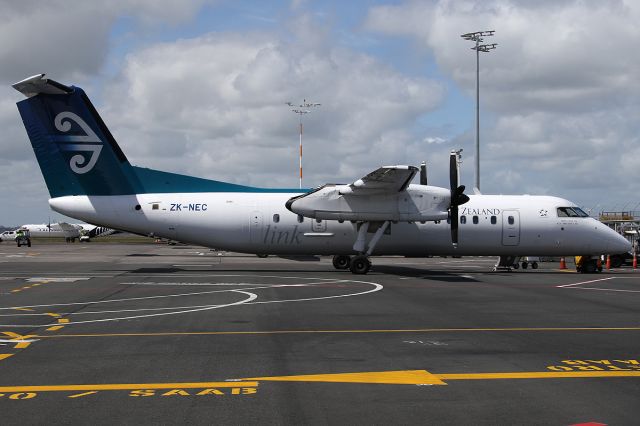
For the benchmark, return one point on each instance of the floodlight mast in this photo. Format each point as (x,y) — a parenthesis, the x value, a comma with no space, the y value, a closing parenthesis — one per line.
(300,110)
(478,37)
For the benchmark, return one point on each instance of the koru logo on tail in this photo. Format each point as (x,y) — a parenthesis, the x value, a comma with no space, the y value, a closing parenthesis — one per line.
(89,143)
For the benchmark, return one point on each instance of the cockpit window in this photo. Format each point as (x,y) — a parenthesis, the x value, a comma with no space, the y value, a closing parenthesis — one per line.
(571,212)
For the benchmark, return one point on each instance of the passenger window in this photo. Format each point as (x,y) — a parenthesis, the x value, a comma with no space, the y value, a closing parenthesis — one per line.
(276,218)
(511,220)
(463,219)
(494,220)
(475,220)
(155,206)
(300,218)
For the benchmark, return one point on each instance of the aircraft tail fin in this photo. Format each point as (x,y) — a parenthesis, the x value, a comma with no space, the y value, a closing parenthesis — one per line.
(75,150)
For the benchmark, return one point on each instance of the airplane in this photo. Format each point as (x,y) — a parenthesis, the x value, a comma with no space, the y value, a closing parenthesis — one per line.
(68,231)
(90,178)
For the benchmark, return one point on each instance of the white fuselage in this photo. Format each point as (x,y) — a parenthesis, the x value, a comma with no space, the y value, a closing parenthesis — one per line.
(259,223)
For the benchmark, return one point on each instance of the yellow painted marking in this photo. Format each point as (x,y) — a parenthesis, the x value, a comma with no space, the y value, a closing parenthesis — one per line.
(419,330)
(80,395)
(5,356)
(35,284)
(55,328)
(406,377)
(53,314)
(63,320)
(24,309)
(127,386)
(15,291)
(18,337)
(538,375)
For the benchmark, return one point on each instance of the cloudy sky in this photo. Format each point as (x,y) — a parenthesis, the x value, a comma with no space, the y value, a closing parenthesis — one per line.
(199,87)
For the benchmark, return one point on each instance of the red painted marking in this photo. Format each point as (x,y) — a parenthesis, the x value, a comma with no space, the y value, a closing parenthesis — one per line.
(589,424)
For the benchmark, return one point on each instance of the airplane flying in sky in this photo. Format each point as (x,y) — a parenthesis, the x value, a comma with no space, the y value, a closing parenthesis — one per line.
(90,178)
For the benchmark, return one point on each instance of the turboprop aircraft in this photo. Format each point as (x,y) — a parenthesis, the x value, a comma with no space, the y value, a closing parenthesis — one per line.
(90,178)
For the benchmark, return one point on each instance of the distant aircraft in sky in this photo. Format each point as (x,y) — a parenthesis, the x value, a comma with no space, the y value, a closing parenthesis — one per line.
(90,178)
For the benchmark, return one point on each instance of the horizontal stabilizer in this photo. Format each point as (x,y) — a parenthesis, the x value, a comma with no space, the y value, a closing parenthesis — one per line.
(37,84)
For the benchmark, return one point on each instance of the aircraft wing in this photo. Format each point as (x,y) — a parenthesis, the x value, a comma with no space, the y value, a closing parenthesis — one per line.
(389,179)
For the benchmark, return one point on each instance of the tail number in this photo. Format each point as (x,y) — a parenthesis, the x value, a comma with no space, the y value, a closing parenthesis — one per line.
(89,143)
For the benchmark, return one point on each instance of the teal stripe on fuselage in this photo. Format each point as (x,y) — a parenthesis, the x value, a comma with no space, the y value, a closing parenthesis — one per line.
(159,182)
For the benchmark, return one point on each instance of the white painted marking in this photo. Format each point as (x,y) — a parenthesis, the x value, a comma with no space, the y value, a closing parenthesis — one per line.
(5,341)
(584,282)
(58,279)
(251,296)
(189,309)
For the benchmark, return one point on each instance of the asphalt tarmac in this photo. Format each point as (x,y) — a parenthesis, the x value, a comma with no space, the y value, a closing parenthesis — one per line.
(155,334)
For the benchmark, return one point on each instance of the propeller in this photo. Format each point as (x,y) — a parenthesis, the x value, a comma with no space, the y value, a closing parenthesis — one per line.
(458,197)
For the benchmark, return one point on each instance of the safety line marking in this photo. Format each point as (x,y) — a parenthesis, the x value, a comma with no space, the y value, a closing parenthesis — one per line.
(5,356)
(422,330)
(538,375)
(128,386)
(55,328)
(585,282)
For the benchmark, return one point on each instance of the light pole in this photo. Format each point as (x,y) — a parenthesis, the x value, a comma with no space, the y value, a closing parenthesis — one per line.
(478,37)
(301,110)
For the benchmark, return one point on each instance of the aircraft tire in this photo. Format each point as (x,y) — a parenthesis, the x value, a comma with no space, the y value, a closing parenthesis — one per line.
(525,265)
(534,265)
(341,262)
(360,265)
(28,243)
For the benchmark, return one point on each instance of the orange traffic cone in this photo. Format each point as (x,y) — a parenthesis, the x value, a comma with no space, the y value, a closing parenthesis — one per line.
(635,261)
(608,266)
(563,264)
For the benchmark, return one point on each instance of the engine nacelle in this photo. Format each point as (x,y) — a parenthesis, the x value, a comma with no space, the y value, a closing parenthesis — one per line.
(417,203)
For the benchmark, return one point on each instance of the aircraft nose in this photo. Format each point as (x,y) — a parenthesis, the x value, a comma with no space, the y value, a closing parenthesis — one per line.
(618,244)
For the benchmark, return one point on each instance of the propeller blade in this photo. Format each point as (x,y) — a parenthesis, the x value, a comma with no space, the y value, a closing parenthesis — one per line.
(454,225)
(453,172)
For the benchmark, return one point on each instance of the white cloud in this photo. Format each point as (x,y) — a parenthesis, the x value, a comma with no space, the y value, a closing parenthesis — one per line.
(559,95)
(215,106)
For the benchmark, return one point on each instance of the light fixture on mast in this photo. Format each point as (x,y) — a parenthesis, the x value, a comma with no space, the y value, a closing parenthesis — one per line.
(478,37)
(301,109)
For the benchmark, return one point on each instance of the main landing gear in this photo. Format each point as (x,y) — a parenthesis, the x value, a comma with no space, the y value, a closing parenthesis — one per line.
(360,264)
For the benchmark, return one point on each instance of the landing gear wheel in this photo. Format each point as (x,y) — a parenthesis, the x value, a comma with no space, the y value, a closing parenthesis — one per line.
(360,265)
(28,243)
(525,265)
(534,265)
(341,262)
(262,256)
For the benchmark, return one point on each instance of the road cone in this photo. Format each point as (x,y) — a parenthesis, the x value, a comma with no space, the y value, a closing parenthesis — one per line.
(608,266)
(635,261)
(563,264)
